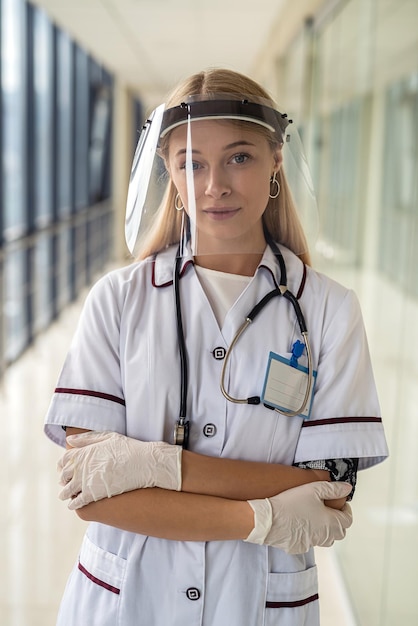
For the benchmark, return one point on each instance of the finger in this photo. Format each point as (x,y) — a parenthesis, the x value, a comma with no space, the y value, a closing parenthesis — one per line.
(347,515)
(69,491)
(86,439)
(333,490)
(66,476)
(66,467)
(78,502)
(328,542)
(66,471)
(66,460)
(344,519)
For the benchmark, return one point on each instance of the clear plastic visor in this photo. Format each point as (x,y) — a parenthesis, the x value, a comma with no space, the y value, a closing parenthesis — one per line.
(217,175)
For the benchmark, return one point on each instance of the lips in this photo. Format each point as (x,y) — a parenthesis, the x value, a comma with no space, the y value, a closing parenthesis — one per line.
(221,213)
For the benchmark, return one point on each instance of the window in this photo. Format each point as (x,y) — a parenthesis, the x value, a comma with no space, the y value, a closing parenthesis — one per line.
(55,229)
(399,218)
(42,117)
(81,130)
(13,86)
(43,308)
(99,141)
(16,311)
(64,138)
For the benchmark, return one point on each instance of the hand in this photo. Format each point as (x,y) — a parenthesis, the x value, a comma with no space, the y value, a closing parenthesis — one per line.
(297,519)
(104,464)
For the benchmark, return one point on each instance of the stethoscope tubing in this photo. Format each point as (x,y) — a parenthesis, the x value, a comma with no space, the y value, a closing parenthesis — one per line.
(181,430)
(256,399)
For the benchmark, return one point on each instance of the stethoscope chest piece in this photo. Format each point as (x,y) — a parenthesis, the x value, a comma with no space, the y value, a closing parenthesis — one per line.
(181,433)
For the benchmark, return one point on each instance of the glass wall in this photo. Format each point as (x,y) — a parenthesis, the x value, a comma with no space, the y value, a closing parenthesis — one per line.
(14,174)
(359,110)
(55,186)
(400,172)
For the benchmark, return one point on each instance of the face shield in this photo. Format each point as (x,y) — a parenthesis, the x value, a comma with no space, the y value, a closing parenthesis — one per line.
(214,175)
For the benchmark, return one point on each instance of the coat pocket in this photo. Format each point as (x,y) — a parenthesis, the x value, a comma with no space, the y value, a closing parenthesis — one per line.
(292,599)
(93,591)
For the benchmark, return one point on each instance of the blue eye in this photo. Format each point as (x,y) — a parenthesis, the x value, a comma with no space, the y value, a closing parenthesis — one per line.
(195,166)
(240,158)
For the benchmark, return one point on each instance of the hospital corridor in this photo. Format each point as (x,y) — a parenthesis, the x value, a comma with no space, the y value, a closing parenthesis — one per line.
(78,80)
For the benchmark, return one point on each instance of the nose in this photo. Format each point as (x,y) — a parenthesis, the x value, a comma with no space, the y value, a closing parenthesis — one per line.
(217,183)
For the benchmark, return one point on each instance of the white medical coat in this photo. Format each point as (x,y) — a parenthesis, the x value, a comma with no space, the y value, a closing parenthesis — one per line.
(122,373)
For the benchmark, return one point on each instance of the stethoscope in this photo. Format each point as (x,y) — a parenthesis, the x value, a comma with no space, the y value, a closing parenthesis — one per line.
(182,427)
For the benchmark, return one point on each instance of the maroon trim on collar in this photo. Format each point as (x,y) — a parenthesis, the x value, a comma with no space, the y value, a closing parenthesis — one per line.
(302,284)
(342,420)
(97,581)
(169,282)
(88,392)
(291,605)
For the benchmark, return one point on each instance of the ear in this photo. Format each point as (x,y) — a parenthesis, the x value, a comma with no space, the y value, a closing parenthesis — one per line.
(163,158)
(277,159)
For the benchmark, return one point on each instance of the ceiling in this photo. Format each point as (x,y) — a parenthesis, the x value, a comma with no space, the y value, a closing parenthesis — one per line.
(151,44)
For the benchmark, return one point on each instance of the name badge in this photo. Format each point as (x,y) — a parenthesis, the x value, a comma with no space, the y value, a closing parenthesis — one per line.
(285,385)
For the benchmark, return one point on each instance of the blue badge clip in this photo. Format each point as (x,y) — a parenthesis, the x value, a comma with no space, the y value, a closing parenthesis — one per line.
(297,351)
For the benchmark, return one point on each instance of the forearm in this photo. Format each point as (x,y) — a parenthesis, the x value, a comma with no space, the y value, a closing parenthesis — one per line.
(241,480)
(237,479)
(173,515)
(245,480)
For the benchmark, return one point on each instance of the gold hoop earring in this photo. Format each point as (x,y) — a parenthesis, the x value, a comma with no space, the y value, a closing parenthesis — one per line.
(178,208)
(273,180)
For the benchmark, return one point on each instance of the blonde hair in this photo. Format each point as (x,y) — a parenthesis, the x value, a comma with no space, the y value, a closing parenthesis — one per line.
(280,216)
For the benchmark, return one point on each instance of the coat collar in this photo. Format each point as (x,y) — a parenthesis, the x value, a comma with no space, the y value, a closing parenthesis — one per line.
(163,267)
(295,269)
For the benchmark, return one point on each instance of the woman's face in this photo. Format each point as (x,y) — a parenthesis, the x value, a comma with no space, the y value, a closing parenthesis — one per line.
(232,169)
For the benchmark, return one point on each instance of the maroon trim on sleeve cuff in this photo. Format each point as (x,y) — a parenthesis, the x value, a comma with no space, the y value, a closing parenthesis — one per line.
(342,420)
(291,605)
(88,392)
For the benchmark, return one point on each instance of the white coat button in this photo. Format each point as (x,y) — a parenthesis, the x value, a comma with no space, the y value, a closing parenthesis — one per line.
(209,430)
(192,593)
(219,353)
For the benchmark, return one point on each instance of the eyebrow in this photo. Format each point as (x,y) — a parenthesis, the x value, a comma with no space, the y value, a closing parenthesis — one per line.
(235,144)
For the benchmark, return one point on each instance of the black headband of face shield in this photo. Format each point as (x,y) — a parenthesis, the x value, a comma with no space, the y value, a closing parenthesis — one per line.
(226,109)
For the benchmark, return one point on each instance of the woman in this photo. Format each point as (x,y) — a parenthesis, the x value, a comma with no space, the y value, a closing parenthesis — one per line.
(220,533)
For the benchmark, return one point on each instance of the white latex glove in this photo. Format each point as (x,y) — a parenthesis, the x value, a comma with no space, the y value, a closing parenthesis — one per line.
(297,519)
(104,464)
